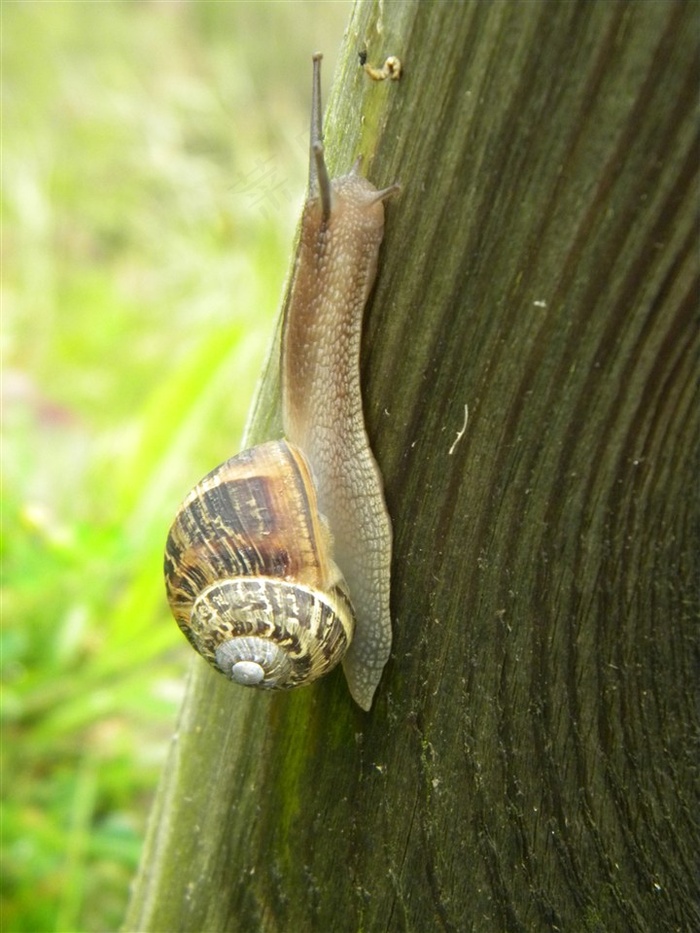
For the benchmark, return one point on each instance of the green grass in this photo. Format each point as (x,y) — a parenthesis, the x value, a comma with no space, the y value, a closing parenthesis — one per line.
(152,171)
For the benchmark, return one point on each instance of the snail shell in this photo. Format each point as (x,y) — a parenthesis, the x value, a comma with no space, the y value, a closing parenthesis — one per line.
(249,573)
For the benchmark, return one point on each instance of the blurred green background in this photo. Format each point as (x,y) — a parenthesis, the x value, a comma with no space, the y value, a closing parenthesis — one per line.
(153,162)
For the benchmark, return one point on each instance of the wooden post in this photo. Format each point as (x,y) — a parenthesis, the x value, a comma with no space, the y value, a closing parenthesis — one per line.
(529,762)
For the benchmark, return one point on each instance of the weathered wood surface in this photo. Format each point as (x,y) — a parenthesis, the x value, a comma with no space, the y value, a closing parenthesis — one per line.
(530,762)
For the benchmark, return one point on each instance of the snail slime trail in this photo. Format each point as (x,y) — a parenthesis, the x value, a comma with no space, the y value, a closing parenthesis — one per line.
(277,564)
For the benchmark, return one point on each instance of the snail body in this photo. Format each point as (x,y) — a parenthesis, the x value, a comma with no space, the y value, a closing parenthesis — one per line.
(277,564)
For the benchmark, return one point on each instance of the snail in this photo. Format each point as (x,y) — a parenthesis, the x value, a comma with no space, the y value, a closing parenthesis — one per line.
(277,564)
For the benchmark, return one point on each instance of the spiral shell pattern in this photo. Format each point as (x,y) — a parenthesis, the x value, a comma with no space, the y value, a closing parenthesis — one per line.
(250,576)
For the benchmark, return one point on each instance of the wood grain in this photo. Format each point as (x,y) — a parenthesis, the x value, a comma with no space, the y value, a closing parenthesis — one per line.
(530,762)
